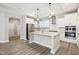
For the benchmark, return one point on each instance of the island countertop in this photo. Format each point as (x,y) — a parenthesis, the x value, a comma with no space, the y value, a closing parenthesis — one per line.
(45,33)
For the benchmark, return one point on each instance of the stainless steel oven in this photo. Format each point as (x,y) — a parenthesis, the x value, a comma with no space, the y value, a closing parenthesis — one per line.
(70,32)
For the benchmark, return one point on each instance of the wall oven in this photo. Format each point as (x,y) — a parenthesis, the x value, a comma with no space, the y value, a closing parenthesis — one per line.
(70,32)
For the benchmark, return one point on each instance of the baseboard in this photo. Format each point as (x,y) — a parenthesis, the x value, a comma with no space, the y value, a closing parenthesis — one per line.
(70,41)
(54,51)
(14,36)
(22,38)
(4,41)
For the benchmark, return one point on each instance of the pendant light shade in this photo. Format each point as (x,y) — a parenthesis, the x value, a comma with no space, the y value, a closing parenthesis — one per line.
(50,15)
(37,14)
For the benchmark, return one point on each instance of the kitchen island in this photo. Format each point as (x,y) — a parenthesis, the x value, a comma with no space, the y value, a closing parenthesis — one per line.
(47,39)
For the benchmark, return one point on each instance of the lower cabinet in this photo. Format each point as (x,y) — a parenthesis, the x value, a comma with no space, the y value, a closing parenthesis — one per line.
(78,40)
(52,42)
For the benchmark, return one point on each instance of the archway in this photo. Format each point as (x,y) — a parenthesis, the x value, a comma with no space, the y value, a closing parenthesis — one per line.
(14,28)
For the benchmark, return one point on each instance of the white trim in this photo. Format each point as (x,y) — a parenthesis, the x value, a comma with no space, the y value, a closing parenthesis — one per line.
(69,40)
(55,50)
(15,36)
(4,41)
(22,38)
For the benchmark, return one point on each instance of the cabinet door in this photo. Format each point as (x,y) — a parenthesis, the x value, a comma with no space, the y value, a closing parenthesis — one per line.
(62,34)
(45,40)
(78,40)
(70,19)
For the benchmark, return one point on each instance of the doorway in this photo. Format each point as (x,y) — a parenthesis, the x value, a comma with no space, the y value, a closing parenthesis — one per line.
(14,28)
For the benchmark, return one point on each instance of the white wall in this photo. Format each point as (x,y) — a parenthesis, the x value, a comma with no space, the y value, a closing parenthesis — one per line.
(3,28)
(4,25)
(23,28)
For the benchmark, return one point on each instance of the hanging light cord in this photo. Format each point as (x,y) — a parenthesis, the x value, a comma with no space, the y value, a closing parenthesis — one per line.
(50,10)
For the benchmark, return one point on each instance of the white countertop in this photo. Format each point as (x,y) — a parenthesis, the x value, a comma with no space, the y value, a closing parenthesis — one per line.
(45,33)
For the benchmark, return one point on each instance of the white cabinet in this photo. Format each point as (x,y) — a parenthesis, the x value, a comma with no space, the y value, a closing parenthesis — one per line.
(46,39)
(78,39)
(70,19)
(67,20)
(62,33)
(78,21)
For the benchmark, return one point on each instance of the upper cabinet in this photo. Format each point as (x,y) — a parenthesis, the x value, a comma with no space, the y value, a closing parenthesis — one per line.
(70,19)
(67,20)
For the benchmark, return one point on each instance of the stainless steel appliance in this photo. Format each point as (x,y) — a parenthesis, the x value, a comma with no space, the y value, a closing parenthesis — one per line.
(70,32)
(29,29)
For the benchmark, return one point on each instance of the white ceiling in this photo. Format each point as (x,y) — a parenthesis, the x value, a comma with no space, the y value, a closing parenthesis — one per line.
(30,8)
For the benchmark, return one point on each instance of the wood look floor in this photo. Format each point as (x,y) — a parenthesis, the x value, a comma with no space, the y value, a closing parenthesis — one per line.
(21,47)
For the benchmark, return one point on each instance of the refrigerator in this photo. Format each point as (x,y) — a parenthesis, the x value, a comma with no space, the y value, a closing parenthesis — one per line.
(29,29)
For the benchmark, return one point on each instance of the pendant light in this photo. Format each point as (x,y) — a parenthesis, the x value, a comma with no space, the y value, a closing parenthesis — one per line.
(37,14)
(37,19)
(50,14)
(51,17)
